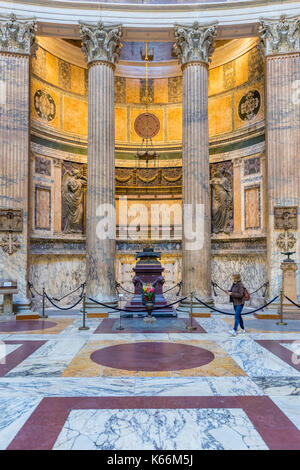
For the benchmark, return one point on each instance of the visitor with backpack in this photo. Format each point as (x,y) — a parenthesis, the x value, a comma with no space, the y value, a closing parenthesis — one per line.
(238,294)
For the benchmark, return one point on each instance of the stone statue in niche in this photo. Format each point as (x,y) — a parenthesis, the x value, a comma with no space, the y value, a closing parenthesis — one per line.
(73,199)
(221,191)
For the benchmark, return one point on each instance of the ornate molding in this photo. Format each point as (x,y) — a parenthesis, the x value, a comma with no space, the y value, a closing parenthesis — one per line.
(101,43)
(194,43)
(17,35)
(279,36)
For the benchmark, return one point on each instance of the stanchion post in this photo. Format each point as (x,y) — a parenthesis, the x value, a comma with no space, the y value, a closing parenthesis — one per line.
(281,322)
(190,327)
(43,305)
(120,327)
(83,327)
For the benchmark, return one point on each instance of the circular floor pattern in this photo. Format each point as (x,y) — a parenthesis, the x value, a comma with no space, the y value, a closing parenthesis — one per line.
(26,325)
(152,356)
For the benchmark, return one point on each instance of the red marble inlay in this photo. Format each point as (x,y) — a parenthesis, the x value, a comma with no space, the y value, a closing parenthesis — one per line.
(26,325)
(16,357)
(106,326)
(43,427)
(274,346)
(152,356)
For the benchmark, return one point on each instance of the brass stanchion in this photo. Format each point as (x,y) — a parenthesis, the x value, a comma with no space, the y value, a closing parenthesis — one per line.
(83,327)
(190,327)
(281,322)
(43,305)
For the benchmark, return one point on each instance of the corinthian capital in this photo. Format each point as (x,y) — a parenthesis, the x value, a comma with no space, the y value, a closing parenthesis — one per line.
(17,35)
(101,42)
(280,36)
(194,43)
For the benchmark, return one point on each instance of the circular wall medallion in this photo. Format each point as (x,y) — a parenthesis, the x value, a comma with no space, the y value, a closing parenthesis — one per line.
(152,356)
(249,105)
(44,105)
(147,125)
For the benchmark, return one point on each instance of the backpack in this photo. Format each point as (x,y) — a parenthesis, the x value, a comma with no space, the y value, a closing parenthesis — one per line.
(246,294)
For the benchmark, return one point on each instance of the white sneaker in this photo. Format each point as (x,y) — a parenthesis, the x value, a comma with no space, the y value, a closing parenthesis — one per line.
(232,332)
(243,330)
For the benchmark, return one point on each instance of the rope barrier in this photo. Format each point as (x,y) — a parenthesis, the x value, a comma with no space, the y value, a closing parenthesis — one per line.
(297,305)
(251,293)
(139,311)
(63,308)
(67,295)
(31,287)
(227,313)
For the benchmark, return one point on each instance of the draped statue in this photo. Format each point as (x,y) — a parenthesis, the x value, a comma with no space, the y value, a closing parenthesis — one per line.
(72,195)
(221,200)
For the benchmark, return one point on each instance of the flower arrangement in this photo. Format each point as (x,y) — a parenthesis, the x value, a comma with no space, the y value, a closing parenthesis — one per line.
(148,292)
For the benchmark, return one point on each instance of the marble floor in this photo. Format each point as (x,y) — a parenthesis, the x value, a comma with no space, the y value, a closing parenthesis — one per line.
(155,387)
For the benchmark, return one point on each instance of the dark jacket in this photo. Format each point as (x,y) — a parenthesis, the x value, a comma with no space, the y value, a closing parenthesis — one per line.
(237,293)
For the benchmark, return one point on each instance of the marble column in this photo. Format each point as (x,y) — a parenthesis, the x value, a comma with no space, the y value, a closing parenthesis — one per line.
(101,45)
(280,42)
(16,44)
(194,46)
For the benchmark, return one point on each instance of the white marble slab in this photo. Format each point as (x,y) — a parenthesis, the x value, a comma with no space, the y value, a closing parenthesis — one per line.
(14,412)
(278,386)
(65,386)
(255,360)
(195,386)
(180,429)
(291,408)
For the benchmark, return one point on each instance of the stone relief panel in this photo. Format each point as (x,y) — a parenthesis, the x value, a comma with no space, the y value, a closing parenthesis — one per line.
(252,207)
(221,181)
(73,187)
(42,208)
(42,166)
(64,74)
(229,75)
(285,218)
(120,90)
(251,166)
(175,89)
(255,65)
(144,97)
(11,220)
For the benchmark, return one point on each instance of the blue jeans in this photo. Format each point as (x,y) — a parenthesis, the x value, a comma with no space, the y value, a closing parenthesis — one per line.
(238,317)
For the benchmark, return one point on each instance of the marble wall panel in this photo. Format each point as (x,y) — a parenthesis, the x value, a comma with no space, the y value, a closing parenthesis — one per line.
(253,270)
(75,116)
(220,115)
(174,124)
(58,274)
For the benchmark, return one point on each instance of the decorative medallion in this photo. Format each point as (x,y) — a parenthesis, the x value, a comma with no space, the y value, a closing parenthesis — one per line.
(10,243)
(147,125)
(249,105)
(44,105)
(286,241)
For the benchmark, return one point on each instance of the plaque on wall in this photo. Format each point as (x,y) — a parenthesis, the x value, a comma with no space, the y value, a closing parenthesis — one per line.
(11,220)
(285,218)
(44,105)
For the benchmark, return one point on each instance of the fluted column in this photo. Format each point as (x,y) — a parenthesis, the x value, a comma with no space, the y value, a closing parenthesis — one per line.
(101,45)
(194,46)
(280,41)
(16,41)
